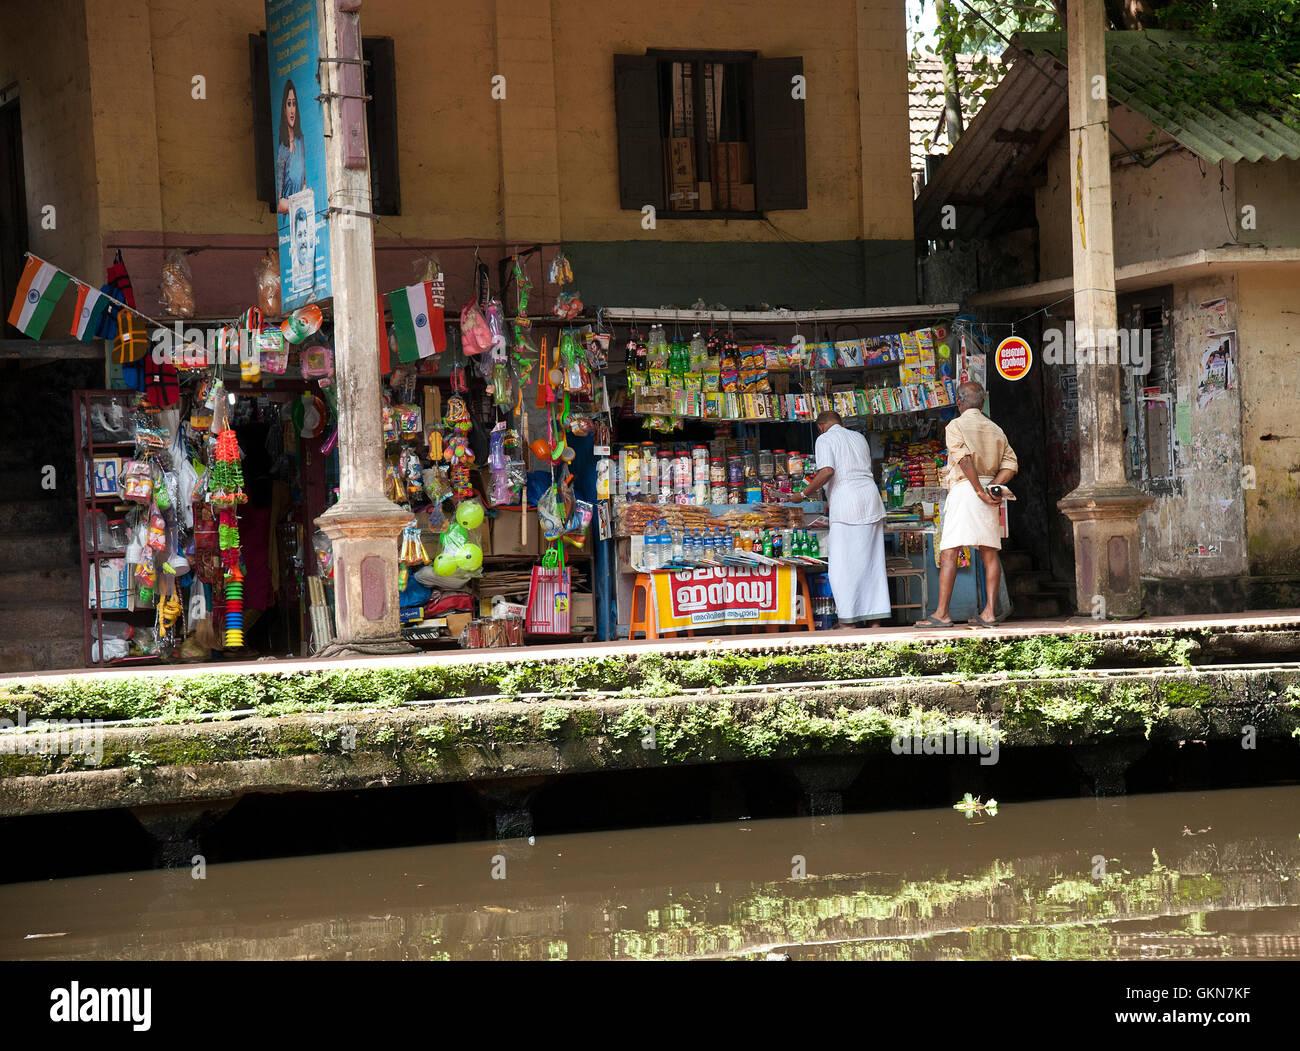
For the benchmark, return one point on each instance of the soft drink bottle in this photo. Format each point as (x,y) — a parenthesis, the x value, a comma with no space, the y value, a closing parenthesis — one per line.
(815,547)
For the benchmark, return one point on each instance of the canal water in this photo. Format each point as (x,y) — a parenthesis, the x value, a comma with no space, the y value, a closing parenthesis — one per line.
(1209,875)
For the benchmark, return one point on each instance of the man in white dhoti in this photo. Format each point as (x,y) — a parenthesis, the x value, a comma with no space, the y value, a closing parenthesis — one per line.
(857,516)
(978,455)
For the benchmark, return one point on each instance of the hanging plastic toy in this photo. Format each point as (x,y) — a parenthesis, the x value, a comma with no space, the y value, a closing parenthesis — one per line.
(250,327)
(561,273)
(412,553)
(234,609)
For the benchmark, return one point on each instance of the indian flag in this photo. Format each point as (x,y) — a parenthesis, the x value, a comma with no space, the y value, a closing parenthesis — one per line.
(91,308)
(40,288)
(418,321)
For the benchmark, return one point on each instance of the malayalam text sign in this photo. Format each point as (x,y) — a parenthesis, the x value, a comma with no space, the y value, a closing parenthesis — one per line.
(695,598)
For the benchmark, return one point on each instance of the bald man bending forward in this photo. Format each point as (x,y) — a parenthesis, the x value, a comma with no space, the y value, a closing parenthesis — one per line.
(857,515)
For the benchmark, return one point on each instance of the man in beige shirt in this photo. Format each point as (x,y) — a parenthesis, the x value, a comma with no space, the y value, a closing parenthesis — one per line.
(978,451)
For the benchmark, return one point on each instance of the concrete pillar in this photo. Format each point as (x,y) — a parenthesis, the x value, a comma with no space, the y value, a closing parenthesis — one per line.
(824,782)
(1107,764)
(510,803)
(1104,509)
(177,829)
(364,525)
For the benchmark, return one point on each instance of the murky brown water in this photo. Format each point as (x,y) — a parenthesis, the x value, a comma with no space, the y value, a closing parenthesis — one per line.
(924,884)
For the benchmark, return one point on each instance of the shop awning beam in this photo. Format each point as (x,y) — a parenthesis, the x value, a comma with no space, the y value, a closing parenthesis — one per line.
(49,349)
(873,314)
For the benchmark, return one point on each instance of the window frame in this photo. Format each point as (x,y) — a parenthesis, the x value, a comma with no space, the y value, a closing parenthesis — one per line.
(664,57)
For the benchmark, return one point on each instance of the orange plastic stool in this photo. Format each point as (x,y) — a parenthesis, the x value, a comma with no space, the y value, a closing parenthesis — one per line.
(643,617)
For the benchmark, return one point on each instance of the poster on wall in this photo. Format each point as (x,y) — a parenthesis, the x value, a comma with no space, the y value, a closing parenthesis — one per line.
(1218,367)
(297,121)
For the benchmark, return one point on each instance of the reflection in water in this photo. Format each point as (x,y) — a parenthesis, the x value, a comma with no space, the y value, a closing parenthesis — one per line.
(1188,875)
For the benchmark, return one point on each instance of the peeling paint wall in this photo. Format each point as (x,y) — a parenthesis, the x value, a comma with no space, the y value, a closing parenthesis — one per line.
(58,138)
(1196,527)
(1269,319)
(1172,207)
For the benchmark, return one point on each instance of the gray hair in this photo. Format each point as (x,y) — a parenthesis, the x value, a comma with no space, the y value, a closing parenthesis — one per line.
(970,395)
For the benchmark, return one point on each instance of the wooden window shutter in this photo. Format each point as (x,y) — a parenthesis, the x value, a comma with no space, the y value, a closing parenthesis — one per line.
(780,166)
(263,133)
(381,124)
(640,146)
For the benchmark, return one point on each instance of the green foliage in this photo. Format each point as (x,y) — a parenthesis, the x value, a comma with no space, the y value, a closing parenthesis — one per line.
(1252,55)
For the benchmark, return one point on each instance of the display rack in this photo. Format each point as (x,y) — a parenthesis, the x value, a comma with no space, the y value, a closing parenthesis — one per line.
(89,551)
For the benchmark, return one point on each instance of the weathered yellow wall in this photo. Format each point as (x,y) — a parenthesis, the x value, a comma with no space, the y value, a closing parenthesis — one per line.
(122,95)
(550,147)
(1270,342)
(1168,209)
(1273,187)
(58,144)
(589,32)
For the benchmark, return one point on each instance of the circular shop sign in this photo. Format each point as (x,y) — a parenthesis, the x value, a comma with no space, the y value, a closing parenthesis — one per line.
(1013,358)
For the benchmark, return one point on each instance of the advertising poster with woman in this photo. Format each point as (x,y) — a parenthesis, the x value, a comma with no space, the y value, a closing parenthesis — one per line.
(293,48)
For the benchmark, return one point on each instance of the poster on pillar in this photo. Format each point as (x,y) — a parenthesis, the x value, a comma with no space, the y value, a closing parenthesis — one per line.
(297,121)
(700,598)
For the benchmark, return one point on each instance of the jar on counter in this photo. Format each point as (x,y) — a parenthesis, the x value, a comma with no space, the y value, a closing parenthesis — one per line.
(717,494)
(794,463)
(717,471)
(700,463)
(780,463)
(665,472)
(766,466)
(735,472)
(702,493)
(734,494)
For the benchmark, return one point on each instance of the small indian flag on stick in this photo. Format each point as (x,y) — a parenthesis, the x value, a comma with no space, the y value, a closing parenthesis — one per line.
(39,289)
(91,308)
(418,320)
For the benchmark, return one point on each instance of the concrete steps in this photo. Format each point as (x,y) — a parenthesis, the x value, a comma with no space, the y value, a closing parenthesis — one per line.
(41,597)
(37,551)
(21,588)
(36,516)
(1035,593)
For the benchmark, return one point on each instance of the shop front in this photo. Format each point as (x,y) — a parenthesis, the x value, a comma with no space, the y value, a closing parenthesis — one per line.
(569,474)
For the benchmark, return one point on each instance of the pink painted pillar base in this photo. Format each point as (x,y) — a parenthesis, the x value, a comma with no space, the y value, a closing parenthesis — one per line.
(364,534)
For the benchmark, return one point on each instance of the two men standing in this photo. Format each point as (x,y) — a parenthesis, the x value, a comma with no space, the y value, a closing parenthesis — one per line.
(979,459)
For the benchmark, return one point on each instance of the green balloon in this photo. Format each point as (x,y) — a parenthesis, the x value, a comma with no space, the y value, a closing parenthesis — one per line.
(445,565)
(470,514)
(471,557)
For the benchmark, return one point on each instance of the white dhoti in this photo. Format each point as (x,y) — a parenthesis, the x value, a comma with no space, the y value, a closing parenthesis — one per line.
(857,571)
(968,521)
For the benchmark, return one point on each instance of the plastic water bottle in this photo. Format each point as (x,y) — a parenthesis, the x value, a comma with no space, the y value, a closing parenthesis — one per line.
(650,550)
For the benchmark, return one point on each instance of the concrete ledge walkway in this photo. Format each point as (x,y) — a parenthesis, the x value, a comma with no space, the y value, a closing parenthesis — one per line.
(1227,623)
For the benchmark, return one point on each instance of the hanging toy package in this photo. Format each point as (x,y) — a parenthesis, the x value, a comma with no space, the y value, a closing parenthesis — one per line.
(266,275)
(177,285)
(475,335)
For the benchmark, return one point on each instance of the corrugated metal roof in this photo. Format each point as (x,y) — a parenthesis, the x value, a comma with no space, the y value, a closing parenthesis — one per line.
(1144,72)
(997,156)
